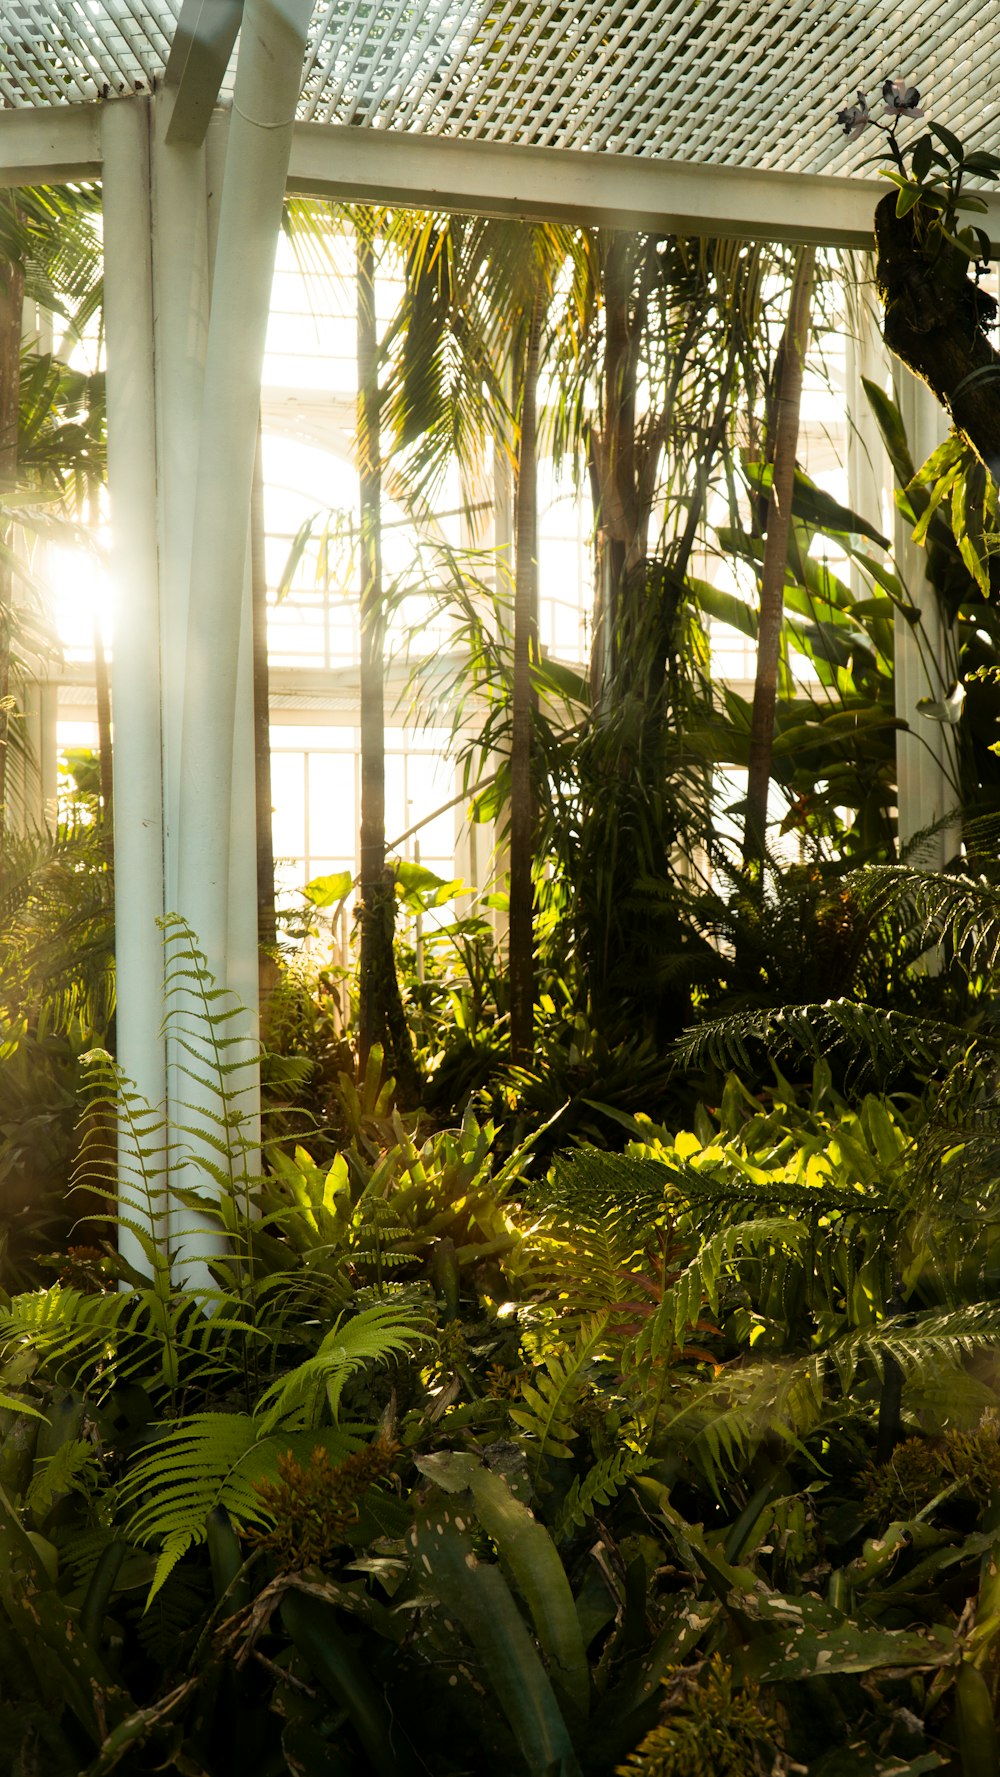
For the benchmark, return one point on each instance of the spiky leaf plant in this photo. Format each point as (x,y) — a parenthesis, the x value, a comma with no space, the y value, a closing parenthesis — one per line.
(709,1729)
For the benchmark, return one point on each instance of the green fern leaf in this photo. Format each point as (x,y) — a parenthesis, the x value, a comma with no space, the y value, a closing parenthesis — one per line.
(598,1487)
(68,1470)
(388,1329)
(548,1402)
(206,1460)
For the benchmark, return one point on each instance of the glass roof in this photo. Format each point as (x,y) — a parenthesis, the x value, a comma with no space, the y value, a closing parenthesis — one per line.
(718,81)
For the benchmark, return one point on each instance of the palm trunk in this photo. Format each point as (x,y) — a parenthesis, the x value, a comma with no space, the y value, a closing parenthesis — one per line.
(380,1017)
(772,579)
(11,306)
(372,650)
(266,930)
(522,809)
(102,686)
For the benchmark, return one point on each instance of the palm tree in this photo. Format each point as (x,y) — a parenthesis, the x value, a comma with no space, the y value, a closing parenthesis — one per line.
(782,451)
(381,1016)
(659,375)
(521,951)
(11,313)
(482,296)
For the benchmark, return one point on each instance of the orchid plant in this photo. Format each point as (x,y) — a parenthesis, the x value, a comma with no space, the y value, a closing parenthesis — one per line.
(931,184)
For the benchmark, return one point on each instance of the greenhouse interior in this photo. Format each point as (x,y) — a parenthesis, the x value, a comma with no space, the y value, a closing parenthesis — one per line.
(499,888)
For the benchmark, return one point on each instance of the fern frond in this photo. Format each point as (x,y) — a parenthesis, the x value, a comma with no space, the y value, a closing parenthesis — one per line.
(892,1041)
(383,1331)
(598,1487)
(698,1284)
(69,1469)
(627,1190)
(792,1398)
(546,1412)
(205,1460)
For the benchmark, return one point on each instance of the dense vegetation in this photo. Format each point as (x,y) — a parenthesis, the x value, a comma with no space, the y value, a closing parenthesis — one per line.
(592,1367)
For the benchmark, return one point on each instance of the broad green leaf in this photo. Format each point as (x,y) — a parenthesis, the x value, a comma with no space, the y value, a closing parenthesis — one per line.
(890,423)
(418,887)
(477,1594)
(816,507)
(334,1659)
(922,157)
(527,1549)
(725,607)
(950,141)
(329,891)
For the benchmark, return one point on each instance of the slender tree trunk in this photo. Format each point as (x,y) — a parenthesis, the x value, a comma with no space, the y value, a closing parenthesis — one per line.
(372,649)
(266,930)
(381,1016)
(772,580)
(102,686)
(522,809)
(11,306)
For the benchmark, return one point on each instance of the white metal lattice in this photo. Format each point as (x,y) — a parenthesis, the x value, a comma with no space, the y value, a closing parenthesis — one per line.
(717,81)
(68,51)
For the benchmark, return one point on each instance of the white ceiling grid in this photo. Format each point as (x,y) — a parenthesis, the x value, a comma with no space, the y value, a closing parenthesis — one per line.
(69,51)
(718,81)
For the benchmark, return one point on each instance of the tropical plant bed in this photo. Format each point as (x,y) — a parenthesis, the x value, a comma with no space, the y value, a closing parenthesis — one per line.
(680,1460)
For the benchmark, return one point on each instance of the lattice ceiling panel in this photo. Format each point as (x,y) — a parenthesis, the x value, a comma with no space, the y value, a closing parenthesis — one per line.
(724,81)
(69,51)
(710,80)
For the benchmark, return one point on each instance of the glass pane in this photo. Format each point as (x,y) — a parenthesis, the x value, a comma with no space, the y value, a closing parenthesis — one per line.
(333,817)
(288,821)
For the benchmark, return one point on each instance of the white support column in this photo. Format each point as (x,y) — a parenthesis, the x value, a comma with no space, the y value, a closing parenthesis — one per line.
(869,472)
(217,707)
(243,976)
(926,668)
(138,806)
(272,47)
(182,288)
(181,307)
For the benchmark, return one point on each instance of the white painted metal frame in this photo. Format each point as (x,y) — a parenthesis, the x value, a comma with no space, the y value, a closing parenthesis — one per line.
(728,84)
(610,190)
(136,665)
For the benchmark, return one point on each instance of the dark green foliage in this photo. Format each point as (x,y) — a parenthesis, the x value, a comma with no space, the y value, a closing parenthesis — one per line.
(707,1732)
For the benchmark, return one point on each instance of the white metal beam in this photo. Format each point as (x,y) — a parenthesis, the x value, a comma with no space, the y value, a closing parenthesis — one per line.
(203,44)
(614,190)
(610,190)
(50,146)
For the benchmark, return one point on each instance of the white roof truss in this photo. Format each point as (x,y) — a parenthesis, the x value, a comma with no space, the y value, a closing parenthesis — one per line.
(202,48)
(451,99)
